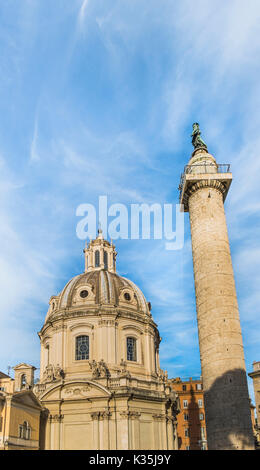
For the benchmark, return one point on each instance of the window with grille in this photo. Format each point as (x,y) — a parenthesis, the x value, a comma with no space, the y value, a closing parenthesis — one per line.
(82,348)
(131,349)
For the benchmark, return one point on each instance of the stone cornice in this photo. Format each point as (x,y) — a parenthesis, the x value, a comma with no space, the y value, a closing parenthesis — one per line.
(192,182)
(255,373)
(67,314)
(96,309)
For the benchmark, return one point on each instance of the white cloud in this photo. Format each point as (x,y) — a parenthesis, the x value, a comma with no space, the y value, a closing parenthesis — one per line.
(82,12)
(34,155)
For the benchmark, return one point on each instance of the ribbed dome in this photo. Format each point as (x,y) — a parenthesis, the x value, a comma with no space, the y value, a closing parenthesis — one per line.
(100,287)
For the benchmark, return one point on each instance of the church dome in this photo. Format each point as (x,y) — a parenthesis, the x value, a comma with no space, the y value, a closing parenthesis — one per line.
(103,288)
(99,286)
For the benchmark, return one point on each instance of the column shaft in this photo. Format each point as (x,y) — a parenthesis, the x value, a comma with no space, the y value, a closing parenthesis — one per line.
(221,348)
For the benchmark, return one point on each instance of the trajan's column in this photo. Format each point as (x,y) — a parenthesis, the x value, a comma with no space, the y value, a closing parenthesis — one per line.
(203,189)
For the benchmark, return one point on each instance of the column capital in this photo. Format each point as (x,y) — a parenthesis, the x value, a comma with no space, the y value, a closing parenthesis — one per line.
(159,417)
(56,418)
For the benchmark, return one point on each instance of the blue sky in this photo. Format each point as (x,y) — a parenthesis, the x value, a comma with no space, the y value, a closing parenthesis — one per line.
(98,98)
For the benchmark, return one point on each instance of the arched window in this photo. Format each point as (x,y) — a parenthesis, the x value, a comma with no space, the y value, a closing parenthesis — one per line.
(23,381)
(48,354)
(25,431)
(131,349)
(105,260)
(82,348)
(97,259)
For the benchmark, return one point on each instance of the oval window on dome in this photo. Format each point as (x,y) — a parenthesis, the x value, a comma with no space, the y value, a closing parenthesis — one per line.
(84,294)
(127,296)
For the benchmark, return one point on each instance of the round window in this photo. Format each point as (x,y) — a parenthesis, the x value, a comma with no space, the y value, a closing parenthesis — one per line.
(84,294)
(127,296)
(83,347)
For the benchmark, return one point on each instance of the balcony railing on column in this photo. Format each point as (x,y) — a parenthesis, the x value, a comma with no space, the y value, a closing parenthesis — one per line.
(203,168)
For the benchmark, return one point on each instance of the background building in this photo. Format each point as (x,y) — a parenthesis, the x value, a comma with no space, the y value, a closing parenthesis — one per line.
(20,414)
(255,375)
(191,426)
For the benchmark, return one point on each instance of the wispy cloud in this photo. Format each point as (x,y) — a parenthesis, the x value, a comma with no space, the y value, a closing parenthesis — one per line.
(82,12)
(118,96)
(34,156)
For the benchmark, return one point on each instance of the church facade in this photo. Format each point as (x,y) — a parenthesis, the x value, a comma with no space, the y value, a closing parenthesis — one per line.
(100,384)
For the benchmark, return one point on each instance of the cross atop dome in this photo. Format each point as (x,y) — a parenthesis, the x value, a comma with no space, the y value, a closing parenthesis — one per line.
(100,254)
